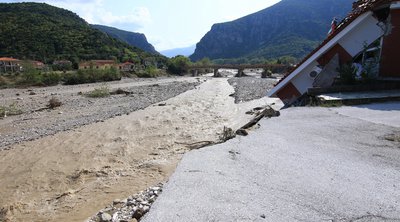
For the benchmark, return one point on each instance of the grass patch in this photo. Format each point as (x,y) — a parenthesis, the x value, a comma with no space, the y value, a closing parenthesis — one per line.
(10,110)
(102,91)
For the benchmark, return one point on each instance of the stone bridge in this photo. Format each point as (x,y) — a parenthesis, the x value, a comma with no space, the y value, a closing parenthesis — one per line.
(194,69)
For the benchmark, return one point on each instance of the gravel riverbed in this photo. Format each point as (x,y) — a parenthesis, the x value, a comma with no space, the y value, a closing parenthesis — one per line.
(250,88)
(77,110)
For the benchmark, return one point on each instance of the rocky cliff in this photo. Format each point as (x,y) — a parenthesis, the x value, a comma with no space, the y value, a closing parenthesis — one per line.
(132,38)
(290,27)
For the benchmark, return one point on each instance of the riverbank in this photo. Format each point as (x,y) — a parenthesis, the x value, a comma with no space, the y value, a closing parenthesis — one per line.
(71,175)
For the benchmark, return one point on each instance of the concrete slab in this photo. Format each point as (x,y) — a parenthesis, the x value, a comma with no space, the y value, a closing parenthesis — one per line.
(360,95)
(381,113)
(309,164)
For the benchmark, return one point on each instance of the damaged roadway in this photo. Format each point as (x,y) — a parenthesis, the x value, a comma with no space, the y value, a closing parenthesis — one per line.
(309,164)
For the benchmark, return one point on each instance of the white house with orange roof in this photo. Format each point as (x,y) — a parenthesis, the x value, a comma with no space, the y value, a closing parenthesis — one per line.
(9,65)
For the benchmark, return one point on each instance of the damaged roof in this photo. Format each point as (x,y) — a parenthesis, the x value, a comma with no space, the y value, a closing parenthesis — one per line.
(359,8)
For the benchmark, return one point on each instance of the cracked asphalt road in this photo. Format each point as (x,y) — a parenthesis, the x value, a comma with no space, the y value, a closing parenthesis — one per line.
(309,164)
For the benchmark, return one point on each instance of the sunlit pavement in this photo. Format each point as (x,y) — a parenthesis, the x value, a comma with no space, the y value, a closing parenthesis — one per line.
(309,164)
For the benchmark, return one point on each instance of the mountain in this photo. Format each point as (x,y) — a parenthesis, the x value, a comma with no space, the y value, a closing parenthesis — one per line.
(42,32)
(132,38)
(290,27)
(187,51)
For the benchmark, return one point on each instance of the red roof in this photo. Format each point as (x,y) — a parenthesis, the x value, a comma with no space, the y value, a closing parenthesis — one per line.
(128,63)
(359,8)
(98,62)
(9,59)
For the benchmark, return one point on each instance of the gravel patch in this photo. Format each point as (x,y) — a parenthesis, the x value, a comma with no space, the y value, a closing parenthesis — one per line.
(250,88)
(77,110)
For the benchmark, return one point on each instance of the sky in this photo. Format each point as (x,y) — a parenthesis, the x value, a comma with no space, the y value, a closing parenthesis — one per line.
(167,24)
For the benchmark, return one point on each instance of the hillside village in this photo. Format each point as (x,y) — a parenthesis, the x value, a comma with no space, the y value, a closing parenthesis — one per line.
(13,65)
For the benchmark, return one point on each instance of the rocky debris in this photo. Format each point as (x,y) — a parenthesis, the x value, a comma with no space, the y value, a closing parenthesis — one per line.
(105,217)
(250,88)
(131,209)
(259,113)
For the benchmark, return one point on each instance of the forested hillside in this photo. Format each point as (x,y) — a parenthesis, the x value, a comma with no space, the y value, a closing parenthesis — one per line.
(42,32)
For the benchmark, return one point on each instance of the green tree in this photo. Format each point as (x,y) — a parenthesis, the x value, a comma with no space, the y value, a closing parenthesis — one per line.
(204,62)
(178,65)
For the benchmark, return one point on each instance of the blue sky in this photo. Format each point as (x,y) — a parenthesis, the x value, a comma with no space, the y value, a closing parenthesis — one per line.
(167,24)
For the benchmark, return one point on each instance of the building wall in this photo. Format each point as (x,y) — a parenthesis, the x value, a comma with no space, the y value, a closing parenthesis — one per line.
(303,81)
(288,93)
(390,58)
(364,33)
(344,56)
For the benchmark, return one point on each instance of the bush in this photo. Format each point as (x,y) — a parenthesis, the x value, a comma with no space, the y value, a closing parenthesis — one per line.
(347,74)
(53,103)
(10,110)
(3,82)
(178,65)
(30,75)
(150,72)
(51,78)
(92,75)
(100,92)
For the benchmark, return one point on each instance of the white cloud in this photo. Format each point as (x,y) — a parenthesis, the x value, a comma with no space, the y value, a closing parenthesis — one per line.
(94,12)
(139,16)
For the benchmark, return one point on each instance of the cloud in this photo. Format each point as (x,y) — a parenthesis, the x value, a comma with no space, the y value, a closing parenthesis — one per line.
(138,17)
(94,12)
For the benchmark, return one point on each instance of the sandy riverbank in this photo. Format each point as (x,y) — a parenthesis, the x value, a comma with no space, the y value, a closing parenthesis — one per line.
(72,174)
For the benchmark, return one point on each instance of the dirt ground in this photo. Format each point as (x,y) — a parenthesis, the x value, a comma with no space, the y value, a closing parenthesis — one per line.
(69,176)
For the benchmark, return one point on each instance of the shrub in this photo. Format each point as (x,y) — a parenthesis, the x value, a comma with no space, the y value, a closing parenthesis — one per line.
(3,82)
(102,91)
(51,78)
(178,65)
(347,74)
(53,103)
(92,75)
(10,110)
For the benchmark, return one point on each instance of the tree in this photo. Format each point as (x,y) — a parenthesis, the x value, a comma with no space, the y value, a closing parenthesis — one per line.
(204,62)
(178,65)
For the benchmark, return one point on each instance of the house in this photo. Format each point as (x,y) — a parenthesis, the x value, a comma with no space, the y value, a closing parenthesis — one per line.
(97,64)
(126,67)
(38,65)
(62,65)
(9,65)
(368,36)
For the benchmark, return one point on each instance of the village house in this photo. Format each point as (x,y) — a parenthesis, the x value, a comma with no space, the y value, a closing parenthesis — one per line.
(126,67)
(62,65)
(38,65)
(97,64)
(368,39)
(9,65)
